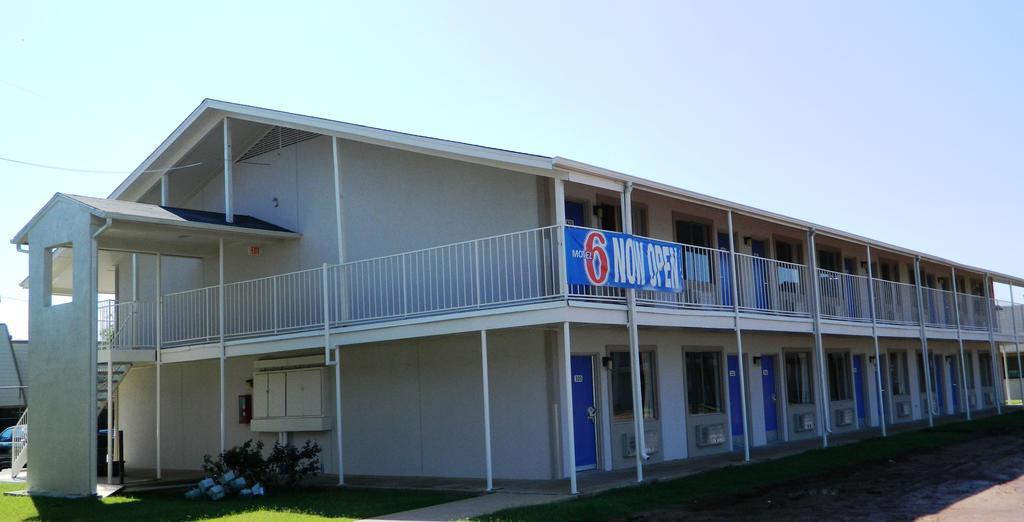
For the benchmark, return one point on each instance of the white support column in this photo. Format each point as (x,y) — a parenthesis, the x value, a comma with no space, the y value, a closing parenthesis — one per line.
(874,338)
(925,356)
(164,189)
(487,409)
(110,415)
(960,340)
(229,190)
(221,305)
(563,274)
(990,311)
(734,292)
(337,198)
(816,304)
(1016,344)
(337,414)
(567,408)
(634,345)
(159,356)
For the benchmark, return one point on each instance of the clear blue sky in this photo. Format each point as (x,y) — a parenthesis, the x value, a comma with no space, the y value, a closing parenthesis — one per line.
(901,121)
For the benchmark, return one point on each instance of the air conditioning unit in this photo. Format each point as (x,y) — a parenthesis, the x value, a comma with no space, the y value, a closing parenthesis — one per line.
(844,417)
(989,399)
(903,409)
(803,422)
(651,440)
(710,435)
(972,400)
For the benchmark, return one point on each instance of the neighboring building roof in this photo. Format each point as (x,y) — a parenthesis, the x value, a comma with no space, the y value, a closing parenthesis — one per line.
(13,370)
(129,211)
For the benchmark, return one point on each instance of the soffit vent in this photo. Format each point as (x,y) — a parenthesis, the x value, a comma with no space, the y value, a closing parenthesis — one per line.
(277,138)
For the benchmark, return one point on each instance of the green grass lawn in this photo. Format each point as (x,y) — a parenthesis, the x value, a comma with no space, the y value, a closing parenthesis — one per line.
(738,479)
(344,504)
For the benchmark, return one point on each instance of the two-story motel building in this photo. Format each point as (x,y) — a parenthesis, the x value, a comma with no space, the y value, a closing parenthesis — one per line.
(407,303)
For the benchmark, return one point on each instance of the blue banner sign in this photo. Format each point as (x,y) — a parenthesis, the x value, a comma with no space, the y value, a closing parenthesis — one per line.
(600,258)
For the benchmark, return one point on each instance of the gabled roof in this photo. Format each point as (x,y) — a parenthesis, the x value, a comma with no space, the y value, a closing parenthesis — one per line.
(128,211)
(210,113)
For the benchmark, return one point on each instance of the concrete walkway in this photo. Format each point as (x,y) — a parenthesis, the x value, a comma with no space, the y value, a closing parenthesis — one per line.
(473,507)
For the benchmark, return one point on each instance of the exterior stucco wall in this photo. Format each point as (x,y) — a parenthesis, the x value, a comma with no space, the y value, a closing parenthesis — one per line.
(62,452)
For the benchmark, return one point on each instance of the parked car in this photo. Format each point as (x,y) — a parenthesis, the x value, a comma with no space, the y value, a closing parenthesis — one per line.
(6,443)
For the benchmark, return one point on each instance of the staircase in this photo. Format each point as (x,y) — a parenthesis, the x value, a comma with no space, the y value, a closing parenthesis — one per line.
(117,375)
(19,442)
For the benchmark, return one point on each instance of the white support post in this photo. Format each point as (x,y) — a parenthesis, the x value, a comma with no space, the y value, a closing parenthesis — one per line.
(487,410)
(960,340)
(567,408)
(634,345)
(159,356)
(164,189)
(990,311)
(229,190)
(337,198)
(826,426)
(337,414)
(221,306)
(734,292)
(925,356)
(874,338)
(563,274)
(110,415)
(1016,344)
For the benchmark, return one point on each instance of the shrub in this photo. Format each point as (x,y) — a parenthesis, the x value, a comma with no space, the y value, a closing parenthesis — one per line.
(286,466)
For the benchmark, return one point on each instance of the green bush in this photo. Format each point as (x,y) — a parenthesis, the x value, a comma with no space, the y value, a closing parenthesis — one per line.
(287,466)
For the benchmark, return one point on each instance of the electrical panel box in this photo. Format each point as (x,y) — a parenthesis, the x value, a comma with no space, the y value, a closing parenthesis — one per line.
(289,399)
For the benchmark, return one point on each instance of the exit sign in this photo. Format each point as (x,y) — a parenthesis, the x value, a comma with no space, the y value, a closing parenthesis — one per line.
(255,251)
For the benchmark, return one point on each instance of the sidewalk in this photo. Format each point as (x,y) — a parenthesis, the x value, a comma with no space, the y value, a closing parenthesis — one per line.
(472,507)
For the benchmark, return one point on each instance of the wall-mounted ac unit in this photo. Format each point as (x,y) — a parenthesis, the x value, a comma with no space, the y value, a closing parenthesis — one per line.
(972,400)
(988,397)
(903,409)
(710,435)
(651,441)
(844,417)
(803,422)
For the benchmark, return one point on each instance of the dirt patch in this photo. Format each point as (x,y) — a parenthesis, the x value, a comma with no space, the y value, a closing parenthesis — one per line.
(978,480)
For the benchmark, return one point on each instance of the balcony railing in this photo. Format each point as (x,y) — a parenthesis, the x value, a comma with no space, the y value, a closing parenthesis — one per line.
(515,269)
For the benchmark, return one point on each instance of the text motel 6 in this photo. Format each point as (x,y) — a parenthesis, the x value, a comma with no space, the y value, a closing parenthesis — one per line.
(600,258)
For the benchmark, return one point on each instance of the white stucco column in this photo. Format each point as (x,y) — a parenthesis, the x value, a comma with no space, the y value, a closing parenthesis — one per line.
(337,414)
(159,346)
(221,305)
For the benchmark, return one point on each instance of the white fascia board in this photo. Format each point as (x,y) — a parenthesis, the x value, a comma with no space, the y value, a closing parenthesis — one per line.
(572,166)
(192,225)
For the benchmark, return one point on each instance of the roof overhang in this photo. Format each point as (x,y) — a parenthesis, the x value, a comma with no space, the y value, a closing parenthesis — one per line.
(580,172)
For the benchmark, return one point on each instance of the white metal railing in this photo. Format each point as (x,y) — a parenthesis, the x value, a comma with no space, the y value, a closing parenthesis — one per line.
(19,445)
(1002,318)
(973,312)
(938,308)
(895,303)
(506,270)
(844,297)
(126,325)
(770,286)
(191,317)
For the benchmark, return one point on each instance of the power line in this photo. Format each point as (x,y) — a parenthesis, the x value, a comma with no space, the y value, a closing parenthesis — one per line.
(90,171)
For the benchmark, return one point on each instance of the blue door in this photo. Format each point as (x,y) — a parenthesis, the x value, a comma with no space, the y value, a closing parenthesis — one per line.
(735,408)
(760,275)
(574,214)
(954,385)
(939,389)
(726,268)
(584,414)
(771,412)
(858,386)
